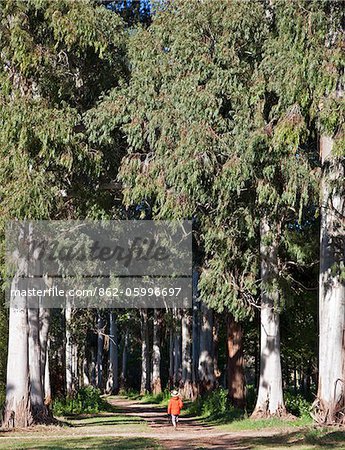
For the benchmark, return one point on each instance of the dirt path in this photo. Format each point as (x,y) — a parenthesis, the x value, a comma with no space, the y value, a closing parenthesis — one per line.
(191,434)
(137,420)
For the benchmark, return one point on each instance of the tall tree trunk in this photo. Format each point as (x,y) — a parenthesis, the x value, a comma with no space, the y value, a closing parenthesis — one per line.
(17,411)
(100,346)
(80,368)
(86,375)
(270,395)
(187,385)
(330,404)
(145,361)
(44,318)
(93,367)
(295,379)
(171,358)
(75,366)
(68,352)
(156,385)
(206,369)
(36,388)
(235,376)
(47,387)
(177,348)
(195,332)
(215,348)
(113,372)
(123,376)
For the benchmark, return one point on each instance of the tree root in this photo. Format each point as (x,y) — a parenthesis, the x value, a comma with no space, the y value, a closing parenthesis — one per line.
(262,412)
(331,415)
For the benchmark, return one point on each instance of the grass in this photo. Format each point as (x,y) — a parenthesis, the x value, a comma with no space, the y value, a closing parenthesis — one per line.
(73,430)
(87,400)
(106,420)
(259,424)
(106,442)
(96,431)
(309,439)
(161,399)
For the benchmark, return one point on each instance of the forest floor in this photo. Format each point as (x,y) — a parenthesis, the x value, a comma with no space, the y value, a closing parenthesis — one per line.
(135,425)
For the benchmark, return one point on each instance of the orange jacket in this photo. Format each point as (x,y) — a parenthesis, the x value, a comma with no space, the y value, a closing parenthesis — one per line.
(175,405)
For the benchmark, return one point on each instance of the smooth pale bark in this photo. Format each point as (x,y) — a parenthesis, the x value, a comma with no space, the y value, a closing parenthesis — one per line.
(36,387)
(187,385)
(100,346)
(235,372)
(330,405)
(86,376)
(156,385)
(75,367)
(38,333)
(195,331)
(93,366)
(206,368)
(113,369)
(17,410)
(44,319)
(68,353)
(215,347)
(171,358)
(71,356)
(123,376)
(47,387)
(270,395)
(80,368)
(145,360)
(177,348)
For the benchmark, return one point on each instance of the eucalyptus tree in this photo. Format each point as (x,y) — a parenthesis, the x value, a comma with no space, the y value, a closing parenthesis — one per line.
(330,402)
(221,118)
(156,384)
(113,366)
(181,113)
(303,66)
(57,57)
(187,369)
(145,354)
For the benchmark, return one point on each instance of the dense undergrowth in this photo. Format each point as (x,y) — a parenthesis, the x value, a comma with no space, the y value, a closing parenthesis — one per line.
(215,407)
(160,399)
(87,400)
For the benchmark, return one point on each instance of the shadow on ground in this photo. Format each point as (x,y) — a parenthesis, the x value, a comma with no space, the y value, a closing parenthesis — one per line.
(292,440)
(157,417)
(104,443)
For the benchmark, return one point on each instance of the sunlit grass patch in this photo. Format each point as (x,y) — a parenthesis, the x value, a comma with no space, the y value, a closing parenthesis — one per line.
(104,419)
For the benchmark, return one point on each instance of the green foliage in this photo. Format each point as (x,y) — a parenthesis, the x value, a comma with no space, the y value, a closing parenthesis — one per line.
(87,400)
(57,58)
(297,405)
(215,407)
(161,398)
(221,114)
(251,393)
(324,438)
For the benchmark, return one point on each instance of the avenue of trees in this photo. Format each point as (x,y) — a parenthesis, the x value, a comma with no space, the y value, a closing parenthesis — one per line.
(225,112)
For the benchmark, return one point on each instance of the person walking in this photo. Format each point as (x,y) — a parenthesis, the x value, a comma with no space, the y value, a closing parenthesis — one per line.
(174,407)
